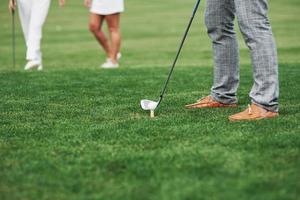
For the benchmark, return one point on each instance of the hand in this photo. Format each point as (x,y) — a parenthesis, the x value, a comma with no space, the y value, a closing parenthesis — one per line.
(61,2)
(88,3)
(12,5)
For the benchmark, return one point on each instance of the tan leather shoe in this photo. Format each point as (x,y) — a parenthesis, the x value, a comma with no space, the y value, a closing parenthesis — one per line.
(209,102)
(253,112)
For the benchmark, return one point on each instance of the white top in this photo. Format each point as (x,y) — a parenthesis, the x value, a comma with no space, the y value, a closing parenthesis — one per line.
(107,7)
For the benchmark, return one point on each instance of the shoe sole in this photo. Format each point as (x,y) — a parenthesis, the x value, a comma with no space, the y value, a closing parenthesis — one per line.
(254,119)
(198,106)
(38,67)
(109,67)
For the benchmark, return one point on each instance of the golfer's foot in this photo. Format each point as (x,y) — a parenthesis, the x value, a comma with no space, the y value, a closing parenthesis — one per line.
(253,112)
(209,102)
(32,64)
(109,64)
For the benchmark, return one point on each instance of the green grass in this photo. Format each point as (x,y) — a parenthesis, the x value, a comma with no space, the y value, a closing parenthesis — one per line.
(74,131)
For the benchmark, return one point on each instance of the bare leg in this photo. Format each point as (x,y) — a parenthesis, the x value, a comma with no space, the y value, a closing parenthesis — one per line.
(113,22)
(95,27)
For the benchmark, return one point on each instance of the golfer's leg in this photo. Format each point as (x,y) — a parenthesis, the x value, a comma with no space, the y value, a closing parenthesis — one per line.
(24,7)
(113,22)
(95,26)
(219,20)
(39,13)
(256,29)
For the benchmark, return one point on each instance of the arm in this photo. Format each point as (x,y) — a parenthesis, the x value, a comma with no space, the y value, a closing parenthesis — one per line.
(12,5)
(87,3)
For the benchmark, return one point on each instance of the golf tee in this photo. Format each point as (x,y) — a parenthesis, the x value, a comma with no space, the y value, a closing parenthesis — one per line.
(152,113)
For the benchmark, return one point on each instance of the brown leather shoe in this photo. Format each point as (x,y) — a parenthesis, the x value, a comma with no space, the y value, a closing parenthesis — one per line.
(209,102)
(253,112)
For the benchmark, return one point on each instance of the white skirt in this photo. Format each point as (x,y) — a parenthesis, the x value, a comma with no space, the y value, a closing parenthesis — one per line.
(107,7)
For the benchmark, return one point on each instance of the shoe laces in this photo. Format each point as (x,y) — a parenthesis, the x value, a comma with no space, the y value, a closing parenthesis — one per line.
(207,97)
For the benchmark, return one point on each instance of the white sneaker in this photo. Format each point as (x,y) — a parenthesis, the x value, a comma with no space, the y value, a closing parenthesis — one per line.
(31,64)
(109,64)
(119,56)
(40,67)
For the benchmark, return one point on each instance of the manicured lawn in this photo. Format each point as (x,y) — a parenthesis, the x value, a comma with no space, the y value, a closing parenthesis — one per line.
(75,131)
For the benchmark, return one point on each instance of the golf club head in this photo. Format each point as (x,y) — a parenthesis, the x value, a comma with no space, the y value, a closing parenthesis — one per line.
(148,104)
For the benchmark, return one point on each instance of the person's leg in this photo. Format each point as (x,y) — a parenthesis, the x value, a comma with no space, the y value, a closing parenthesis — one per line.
(24,7)
(39,13)
(254,24)
(113,22)
(219,20)
(95,26)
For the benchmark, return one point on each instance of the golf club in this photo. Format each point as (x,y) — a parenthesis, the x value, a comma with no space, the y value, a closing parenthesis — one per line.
(13,37)
(152,105)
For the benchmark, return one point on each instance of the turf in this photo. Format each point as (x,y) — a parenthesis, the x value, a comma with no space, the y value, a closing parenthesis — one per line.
(75,131)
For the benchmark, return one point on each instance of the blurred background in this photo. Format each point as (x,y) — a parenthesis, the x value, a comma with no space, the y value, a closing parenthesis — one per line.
(151,34)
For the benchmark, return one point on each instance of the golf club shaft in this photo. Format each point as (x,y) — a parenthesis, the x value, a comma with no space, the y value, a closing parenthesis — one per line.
(179,51)
(13,37)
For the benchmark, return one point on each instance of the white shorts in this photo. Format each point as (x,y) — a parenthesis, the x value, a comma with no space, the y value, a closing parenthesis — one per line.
(107,7)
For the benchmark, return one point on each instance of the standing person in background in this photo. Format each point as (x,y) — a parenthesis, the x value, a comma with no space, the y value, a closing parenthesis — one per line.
(109,11)
(33,14)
